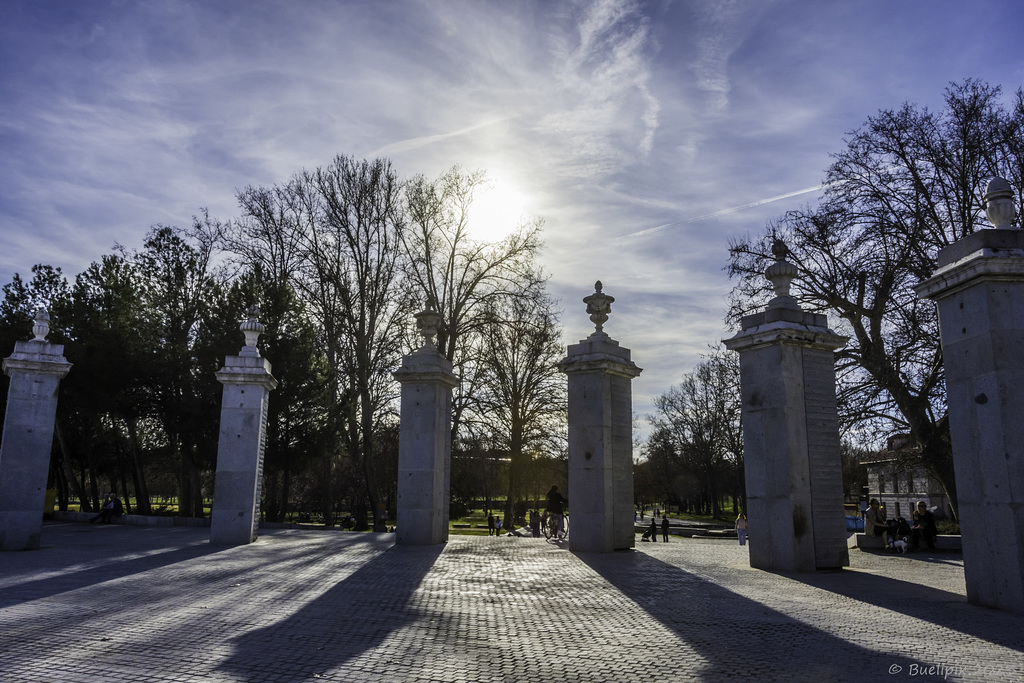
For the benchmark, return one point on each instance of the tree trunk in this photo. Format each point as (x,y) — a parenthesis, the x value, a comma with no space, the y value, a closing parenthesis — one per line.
(69,472)
(285,490)
(142,502)
(271,507)
(327,488)
(126,499)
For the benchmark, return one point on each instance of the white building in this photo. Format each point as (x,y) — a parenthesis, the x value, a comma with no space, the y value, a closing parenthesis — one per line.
(897,479)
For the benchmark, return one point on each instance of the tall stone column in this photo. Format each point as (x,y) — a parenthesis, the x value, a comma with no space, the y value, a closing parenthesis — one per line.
(35,368)
(791,433)
(979,290)
(424,440)
(600,375)
(243,432)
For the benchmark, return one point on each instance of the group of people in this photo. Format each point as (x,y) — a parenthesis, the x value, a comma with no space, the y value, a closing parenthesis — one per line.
(875,524)
(556,504)
(652,533)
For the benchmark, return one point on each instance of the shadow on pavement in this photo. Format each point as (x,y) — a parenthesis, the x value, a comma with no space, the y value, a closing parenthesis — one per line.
(928,604)
(100,561)
(738,638)
(352,617)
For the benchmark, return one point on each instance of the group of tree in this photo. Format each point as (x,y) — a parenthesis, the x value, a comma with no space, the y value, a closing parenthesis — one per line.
(693,458)
(338,261)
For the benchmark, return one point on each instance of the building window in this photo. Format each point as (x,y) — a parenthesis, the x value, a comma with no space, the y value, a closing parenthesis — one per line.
(881,483)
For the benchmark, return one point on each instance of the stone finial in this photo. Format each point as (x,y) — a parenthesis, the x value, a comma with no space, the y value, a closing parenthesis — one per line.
(781,275)
(252,329)
(427,322)
(999,206)
(599,305)
(41,326)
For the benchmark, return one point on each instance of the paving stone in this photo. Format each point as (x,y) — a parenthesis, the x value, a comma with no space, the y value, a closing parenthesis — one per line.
(119,603)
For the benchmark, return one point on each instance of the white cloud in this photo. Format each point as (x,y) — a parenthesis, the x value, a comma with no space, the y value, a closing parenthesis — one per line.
(678,124)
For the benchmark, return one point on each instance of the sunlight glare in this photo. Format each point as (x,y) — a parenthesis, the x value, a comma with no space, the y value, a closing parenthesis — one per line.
(497,209)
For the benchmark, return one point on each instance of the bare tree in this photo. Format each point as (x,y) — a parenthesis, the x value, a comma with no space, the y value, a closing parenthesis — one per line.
(907,184)
(700,419)
(522,393)
(459,276)
(355,255)
(335,234)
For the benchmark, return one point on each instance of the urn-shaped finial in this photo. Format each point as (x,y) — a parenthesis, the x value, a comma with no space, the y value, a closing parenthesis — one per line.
(41,325)
(599,305)
(999,206)
(428,322)
(252,329)
(781,275)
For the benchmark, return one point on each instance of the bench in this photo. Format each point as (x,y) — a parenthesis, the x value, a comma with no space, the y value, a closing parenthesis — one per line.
(133,520)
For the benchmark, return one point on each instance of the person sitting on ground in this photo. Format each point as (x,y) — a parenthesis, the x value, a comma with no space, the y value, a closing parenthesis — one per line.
(111,508)
(924,525)
(874,522)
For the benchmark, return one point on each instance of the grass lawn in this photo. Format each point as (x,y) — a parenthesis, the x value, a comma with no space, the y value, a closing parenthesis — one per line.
(476,520)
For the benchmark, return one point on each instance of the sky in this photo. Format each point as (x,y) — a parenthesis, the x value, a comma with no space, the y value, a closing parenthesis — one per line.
(645,135)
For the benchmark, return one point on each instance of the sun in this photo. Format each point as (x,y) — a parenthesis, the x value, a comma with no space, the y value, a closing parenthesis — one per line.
(498,207)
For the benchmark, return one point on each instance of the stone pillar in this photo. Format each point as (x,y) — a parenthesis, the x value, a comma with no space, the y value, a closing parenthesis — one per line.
(979,290)
(243,432)
(35,368)
(791,433)
(600,375)
(424,440)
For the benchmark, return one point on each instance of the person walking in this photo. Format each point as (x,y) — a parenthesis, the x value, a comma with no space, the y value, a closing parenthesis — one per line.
(490,524)
(664,528)
(741,528)
(653,531)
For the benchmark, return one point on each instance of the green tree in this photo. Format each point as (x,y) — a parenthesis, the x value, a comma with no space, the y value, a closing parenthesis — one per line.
(299,420)
(178,286)
(109,393)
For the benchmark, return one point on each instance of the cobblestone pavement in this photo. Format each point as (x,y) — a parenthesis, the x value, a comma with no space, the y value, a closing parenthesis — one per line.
(118,603)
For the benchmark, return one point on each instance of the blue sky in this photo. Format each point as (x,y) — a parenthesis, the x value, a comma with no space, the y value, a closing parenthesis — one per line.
(645,134)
